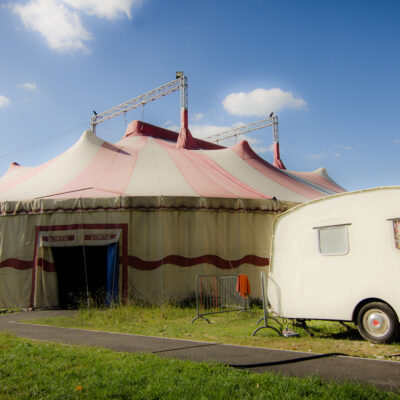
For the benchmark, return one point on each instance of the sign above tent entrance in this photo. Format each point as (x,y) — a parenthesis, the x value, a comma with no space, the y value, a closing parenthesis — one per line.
(79,237)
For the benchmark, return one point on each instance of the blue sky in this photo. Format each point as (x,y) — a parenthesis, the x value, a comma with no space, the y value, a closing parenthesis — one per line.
(328,69)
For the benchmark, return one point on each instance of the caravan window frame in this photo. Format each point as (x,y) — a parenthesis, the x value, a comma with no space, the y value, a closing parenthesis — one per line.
(346,236)
(393,232)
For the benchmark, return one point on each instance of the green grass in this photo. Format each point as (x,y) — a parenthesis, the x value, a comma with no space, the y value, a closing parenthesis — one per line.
(35,370)
(229,328)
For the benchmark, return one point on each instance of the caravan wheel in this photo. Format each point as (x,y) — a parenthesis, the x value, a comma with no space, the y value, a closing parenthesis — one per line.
(377,322)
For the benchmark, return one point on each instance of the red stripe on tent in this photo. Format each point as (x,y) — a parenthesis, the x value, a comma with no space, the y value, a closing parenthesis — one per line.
(206,177)
(17,264)
(23,265)
(182,261)
(244,151)
(25,174)
(110,169)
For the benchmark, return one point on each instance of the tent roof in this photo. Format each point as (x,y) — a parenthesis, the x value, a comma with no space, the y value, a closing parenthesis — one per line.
(146,162)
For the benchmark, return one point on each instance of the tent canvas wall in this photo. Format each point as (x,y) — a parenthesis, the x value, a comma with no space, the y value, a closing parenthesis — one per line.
(173,213)
(163,243)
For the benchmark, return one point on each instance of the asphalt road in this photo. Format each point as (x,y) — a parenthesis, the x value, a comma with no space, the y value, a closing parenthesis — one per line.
(383,374)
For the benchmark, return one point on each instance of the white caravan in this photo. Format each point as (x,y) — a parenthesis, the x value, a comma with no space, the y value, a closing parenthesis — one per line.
(338,258)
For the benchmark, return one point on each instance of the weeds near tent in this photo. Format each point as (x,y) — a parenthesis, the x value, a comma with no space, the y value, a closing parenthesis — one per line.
(9,310)
(175,322)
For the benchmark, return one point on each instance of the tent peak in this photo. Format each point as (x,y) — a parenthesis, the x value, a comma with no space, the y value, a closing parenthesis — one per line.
(185,139)
(244,149)
(88,132)
(13,166)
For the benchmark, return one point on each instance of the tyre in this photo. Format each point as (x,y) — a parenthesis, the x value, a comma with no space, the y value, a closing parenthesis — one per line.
(377,322)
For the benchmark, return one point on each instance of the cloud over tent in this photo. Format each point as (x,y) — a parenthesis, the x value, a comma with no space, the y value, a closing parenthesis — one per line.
(60,22)
(261,102)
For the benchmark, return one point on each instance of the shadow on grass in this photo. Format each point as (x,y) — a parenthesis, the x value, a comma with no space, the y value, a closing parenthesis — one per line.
(351,334)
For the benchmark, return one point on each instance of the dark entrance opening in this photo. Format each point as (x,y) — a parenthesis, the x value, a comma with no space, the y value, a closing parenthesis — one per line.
(81,271)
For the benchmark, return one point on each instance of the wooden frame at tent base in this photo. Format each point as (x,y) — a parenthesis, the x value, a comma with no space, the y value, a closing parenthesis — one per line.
(40,262)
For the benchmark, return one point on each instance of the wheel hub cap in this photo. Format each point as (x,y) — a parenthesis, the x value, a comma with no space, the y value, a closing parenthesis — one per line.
(376,323)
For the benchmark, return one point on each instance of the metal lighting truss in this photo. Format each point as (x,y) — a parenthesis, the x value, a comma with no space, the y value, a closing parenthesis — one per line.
(178,84)
(272,120)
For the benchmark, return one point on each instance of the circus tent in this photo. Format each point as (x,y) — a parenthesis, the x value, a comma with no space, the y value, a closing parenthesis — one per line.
(146,162)
(151,210)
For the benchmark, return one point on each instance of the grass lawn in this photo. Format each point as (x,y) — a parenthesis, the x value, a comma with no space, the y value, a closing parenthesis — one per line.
(229,328)
(36,370)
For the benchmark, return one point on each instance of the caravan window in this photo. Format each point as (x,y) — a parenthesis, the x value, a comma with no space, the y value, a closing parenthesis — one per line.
(333,240)
(396,229)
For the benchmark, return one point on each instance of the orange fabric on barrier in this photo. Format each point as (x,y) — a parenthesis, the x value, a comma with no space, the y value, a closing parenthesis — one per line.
(243,285)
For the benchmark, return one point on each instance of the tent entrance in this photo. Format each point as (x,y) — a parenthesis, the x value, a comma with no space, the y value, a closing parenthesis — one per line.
(86,272)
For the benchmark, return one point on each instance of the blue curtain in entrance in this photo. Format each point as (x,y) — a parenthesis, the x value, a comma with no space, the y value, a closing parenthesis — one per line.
(112,274)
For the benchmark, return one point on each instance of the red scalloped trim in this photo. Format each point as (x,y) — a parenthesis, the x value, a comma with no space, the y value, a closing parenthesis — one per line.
(140,264)
(23,265)
(17,264)
(182,261)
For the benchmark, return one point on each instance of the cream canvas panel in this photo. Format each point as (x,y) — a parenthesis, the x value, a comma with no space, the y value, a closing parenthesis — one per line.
(237,167)
(62,170)
(46,289)
(146,286)
(17,235)
(15,287)
(128,142)
(196,233)
(156,174)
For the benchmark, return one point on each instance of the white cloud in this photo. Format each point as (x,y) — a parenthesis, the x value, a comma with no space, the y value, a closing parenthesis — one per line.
(346,148)
(316,156)
(62,28)
(326,154)
(109,9)
(202,131)
(59,22)
(171,126)
(251,140)
(4,101)
(197,117)
(263,150)
(261,102)
(28,86)
(397,141)
(199,131)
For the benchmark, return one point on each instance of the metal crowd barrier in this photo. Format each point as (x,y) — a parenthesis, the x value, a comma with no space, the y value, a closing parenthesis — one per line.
(264,288)
(217,294)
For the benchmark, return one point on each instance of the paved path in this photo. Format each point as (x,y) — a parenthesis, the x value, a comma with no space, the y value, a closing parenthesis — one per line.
(384,374)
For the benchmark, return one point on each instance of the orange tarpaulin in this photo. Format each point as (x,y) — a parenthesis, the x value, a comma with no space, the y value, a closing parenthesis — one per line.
(243,285)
